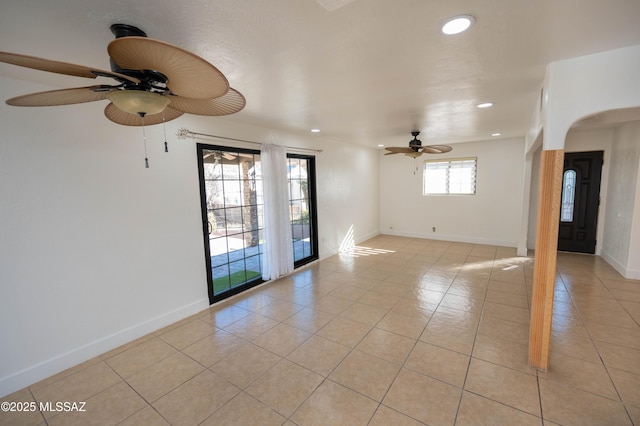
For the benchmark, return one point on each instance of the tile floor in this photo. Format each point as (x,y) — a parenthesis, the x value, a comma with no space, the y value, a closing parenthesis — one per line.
(400,331)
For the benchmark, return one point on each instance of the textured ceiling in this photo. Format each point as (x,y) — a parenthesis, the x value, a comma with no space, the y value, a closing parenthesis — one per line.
(362,71)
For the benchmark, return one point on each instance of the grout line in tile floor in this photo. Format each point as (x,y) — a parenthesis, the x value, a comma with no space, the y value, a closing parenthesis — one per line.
(606,368)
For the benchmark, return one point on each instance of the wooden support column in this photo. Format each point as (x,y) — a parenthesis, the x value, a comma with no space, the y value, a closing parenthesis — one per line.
(544,274)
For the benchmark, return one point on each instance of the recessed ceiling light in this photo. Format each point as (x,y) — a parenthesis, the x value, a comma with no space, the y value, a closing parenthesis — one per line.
(381,145)
(315,130)
(496,134)
(485,105)
(457,24)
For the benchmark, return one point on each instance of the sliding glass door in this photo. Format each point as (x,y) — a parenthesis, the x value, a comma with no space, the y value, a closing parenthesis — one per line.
(302,202)
(232,203)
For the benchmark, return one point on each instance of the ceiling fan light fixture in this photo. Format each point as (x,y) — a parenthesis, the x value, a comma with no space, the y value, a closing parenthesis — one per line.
(413,154)
(138,102)
(458,24)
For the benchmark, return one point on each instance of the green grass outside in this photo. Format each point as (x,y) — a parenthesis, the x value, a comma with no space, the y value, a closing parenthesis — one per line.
(223,284)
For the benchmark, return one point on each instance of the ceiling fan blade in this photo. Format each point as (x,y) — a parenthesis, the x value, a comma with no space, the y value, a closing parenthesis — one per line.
(436,149)
(188,74)
(60,67)
(229,103)
(398,150)
(77,95)
(118,116)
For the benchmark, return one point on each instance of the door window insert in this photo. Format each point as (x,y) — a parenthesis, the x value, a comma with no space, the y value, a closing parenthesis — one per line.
(568,195)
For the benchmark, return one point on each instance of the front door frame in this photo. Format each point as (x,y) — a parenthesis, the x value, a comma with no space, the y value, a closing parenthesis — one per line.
(580,234)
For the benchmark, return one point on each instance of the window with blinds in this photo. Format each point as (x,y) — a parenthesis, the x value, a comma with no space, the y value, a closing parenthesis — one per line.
(450,177)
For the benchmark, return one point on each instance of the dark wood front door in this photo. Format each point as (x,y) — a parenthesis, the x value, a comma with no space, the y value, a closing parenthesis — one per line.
(580,201)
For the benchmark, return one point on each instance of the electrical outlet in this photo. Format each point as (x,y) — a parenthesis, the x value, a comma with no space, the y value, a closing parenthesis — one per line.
(433,229)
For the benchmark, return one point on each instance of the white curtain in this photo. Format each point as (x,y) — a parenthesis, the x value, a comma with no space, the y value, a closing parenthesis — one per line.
(277,256)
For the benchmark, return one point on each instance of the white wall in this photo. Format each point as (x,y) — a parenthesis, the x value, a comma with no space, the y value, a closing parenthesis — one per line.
(492,216)
(348,196)
(633,265)
(96,250)
(621,244)
(578,140)
(579,87)
(533,200)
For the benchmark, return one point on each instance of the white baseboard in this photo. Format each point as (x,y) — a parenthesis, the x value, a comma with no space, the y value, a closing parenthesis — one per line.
(630,274)
(452,238)
(40,371)
(357,240)
(362,238)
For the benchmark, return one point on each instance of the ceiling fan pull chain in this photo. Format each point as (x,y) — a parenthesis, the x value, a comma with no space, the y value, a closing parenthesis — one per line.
(144,140)
(164,127)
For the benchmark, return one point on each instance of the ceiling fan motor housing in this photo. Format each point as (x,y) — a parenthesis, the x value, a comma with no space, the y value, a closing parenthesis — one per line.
(415,143)
(124,30)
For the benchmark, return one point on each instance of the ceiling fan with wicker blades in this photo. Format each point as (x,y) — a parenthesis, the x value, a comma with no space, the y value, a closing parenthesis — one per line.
(155,82)
(416,149)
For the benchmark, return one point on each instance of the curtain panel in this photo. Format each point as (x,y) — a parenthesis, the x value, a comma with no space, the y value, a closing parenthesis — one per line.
(277,257)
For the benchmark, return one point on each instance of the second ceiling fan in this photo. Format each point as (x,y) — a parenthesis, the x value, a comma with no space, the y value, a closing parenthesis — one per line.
(416,149)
